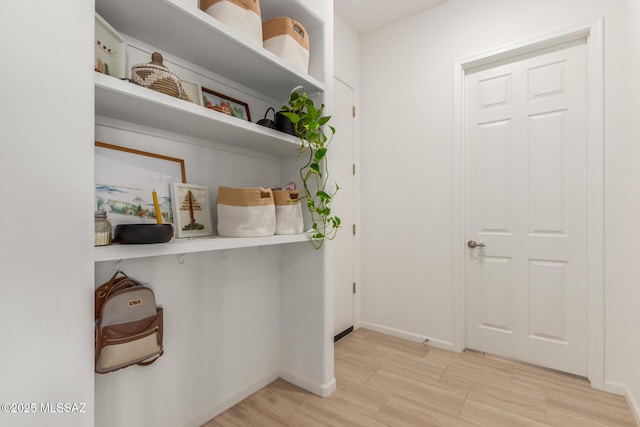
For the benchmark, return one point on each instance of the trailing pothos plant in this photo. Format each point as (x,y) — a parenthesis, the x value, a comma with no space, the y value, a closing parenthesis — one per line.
(311,126)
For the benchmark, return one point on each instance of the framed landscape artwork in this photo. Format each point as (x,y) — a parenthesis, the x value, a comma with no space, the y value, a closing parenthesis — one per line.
(126,179)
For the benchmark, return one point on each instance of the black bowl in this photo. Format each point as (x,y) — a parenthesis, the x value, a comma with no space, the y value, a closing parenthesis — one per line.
(138,234)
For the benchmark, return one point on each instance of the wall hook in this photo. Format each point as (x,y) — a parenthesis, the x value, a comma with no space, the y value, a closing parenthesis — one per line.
(181,258)
(118,266)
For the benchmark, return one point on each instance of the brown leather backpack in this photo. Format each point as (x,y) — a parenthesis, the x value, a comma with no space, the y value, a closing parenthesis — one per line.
(128,325)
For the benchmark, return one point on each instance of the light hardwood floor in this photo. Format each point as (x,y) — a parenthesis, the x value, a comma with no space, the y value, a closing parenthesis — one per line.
(387,381)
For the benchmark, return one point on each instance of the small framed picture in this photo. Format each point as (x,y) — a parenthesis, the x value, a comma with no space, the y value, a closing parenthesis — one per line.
(190,205)
(110,50)
(225,104)
(193,91)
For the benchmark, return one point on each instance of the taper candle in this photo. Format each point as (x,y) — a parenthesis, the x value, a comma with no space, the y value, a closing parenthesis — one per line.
(157,206)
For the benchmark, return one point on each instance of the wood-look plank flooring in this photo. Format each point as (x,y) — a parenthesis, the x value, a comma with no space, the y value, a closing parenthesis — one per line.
(386,381)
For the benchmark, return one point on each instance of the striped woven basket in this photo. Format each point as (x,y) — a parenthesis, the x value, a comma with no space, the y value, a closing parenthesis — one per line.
(154,75)
(289,40)
(243,15)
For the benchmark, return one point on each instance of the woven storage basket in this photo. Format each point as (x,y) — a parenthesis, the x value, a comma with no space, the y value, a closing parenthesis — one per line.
(243,15)
(154,75)
(287,39)
(246,212)
(288,212)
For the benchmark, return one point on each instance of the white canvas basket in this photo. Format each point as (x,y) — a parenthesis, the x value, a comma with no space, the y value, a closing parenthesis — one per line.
(289,40)
(289,218)
(243,15)
(246,212)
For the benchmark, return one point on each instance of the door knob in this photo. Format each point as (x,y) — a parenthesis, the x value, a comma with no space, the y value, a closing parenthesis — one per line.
(472,244)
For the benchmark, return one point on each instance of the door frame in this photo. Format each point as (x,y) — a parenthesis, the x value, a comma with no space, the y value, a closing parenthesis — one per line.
(355,181)
(593,35)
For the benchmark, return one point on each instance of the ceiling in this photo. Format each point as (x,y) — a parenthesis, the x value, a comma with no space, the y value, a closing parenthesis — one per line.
(368,15)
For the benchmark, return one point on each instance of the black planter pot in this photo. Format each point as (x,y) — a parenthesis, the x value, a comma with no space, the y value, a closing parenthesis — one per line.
(283,124)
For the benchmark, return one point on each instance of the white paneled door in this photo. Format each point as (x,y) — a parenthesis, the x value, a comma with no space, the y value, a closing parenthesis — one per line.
(525,208)
(341,169)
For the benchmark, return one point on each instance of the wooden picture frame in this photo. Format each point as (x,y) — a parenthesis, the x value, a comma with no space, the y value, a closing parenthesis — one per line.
(225,104)
(109,49)
(190,204)
(126,178)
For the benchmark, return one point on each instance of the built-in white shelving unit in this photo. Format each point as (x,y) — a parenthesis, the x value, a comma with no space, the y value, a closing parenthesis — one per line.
(189,33)
(213,303)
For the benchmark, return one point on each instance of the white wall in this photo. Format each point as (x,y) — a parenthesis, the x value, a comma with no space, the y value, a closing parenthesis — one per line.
(407,165)
(346,53)
(46,245)
(623,228)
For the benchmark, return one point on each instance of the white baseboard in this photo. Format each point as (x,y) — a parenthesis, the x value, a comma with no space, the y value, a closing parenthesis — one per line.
(227,403)
(446,345)
(322,390)
(633,404)
(615,388)
(622,389)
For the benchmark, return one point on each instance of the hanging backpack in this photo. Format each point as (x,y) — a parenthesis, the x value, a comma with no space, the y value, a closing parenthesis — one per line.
(128,325)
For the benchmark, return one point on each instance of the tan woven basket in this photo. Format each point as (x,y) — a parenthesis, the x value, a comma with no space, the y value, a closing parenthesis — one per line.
(287,39)
(154,75)
(286,197)
(286,26)
(257,196)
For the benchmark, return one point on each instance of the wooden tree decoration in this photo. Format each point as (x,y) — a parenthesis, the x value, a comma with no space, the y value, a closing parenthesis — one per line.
(190,203)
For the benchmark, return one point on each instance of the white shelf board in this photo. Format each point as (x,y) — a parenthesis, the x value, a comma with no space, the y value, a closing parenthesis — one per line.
(191,34)
(186,246)
(122,100)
